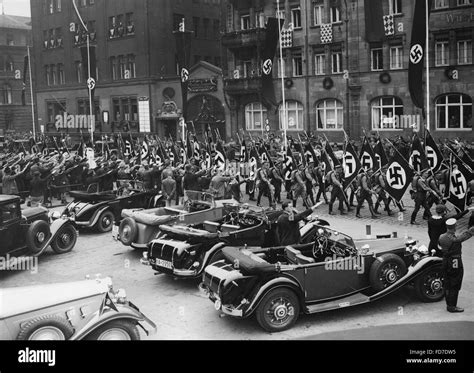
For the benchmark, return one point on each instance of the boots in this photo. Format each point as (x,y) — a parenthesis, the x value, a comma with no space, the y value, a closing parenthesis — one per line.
(358,212)
(374,215)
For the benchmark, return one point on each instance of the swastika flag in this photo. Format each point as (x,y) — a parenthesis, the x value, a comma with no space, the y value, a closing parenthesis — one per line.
(326,33)
(459,178)
(388,24)
(398,175)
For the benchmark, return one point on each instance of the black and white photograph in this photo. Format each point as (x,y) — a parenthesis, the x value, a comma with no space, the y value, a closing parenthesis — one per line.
(194,171)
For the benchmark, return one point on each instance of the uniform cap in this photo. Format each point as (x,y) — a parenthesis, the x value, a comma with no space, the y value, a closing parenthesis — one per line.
(440,209)
(451,222)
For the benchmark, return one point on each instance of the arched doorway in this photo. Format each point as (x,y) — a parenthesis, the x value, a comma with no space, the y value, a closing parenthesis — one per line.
(204,111)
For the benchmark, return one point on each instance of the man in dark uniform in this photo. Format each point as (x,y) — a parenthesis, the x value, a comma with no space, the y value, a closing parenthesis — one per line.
(288,230)
(335,179)
(421,192)
(365,192)
(276,180)
(451,247)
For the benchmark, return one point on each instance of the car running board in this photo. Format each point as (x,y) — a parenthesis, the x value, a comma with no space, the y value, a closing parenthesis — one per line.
(351,300)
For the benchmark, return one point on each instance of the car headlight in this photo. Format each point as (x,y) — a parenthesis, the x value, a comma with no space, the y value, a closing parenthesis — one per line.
(121,296)
(54,215)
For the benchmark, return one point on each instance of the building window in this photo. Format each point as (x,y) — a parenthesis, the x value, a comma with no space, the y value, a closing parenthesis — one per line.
(442,53)
(51,6)
(464,2)
(335,14)
(9,64)
(441,4)
(130,23)
(113,68)
(177,19)
(376,55)
(454,111)
(196,26)
(297,61)
(385,110)
(83,108)
(79,71)
(320,64)
(336,62)
(131,66)
(318,15)
(217,28)
(10,40)
(125,109)
(296,17)
(395,6)
(47,75)
(260,19)
(205,27)
(245,22)
(58,6)
(7,94)
(255,115)
(294,114)
(61,78)
(396,57)
(329,115)
(464,52)
(55,108)
(54,76)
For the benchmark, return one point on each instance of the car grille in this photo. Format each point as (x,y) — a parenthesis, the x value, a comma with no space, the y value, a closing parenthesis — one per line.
(216,282)
(169,252)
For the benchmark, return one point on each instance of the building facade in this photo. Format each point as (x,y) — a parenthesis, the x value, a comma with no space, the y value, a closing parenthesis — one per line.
(338,76)
(137,85)
(15,110)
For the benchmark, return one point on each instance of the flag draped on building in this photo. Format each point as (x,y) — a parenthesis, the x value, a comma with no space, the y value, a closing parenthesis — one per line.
(268,54)
(374,27)
(417,53)
(183,57)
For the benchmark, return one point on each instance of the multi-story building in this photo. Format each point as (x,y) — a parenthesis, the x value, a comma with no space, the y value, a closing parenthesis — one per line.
(15,111)
(137,81)
(340,73)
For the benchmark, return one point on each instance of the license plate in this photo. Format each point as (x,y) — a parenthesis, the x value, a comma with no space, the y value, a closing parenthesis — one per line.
(164,263)
(115,231)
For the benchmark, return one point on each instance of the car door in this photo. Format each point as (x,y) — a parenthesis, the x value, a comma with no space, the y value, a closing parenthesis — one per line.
(333,278)
(10,228)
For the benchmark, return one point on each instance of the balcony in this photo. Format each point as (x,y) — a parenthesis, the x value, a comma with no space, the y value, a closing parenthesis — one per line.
(243,38)
(242,86)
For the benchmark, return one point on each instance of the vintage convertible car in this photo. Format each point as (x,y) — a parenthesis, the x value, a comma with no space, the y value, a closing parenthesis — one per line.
(29,232)
(139,226)
(100,210)
(332,272)
(184,251)
(88,309)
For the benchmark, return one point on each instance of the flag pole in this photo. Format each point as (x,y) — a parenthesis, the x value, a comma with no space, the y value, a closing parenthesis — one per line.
(282,73)
(427,54)
(31,93)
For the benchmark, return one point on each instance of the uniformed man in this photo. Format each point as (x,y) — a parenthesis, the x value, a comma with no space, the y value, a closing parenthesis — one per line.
(335,180)
(365,192)
(380,184)
(453,270)
(421,192)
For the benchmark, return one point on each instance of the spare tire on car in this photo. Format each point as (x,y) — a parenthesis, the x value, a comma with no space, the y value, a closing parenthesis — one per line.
(128,231)
(386,270)
(37,235)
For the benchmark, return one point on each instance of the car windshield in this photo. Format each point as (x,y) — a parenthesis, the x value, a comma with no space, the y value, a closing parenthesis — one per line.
(340,237)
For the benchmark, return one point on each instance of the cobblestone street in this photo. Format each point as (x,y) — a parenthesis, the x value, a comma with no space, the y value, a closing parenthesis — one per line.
(181,312)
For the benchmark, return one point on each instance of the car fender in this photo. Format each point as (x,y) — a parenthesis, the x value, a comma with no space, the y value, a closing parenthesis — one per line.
(211,252)
(95,217)
(413,272)
(123,312)
(278,282)
(54,228)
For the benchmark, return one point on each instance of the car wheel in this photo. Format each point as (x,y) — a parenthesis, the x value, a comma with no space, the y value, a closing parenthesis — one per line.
(106,219)
(386,270)
(278,310)
(128,231)
(46,328)
(429,286)
(65,239)
(37,235)
(122,330)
